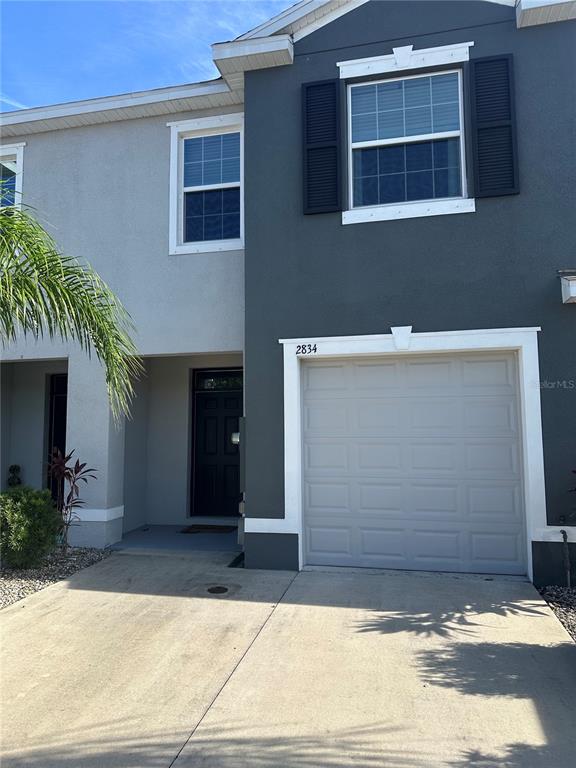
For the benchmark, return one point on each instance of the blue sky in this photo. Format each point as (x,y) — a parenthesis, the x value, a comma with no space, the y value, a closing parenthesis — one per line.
(79,49)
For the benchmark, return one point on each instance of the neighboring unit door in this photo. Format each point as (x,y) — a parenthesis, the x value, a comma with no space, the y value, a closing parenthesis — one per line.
(57,406)
(414,463)
(216,469)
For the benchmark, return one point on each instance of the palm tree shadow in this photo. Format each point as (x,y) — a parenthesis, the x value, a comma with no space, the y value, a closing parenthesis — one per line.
(517,756)
(225,746)
(447,620)
(542,674)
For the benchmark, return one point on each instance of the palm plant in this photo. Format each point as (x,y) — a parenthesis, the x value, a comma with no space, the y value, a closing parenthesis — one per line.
(43,292)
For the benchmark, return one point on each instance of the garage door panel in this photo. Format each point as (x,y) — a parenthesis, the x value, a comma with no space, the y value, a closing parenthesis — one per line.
(326,378)
(414,463)
(384,498)
(328,495)
(326,540)
(431,374)
(491,458)
(489,373)
(440,415)
(376,376)
(434,455)
(493,502)
(435,544)
(438,501)
(494,416)
(378,456)
(496,547)
(327,456)
(384,542)
(371,416)
(326,418)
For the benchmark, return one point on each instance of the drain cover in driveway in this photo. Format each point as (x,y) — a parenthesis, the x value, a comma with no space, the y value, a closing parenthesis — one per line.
(217,590)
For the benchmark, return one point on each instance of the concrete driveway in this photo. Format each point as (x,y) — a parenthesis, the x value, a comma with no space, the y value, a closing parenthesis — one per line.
(134,664)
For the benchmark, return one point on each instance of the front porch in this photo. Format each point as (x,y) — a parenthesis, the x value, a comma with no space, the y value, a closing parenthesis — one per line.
(153,539)
(171,464)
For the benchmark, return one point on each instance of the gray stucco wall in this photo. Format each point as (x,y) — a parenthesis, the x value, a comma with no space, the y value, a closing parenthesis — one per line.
(136,459)
(311,276)
(24,400)
(103,192)
(158,441)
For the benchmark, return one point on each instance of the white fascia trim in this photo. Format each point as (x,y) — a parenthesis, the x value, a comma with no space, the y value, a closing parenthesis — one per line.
(409,210)
(552,533)
(106,103)
(285,18)
(16,150)
(99,515)
(288,19)
(252,47)
(178,131)
(207,123)
(522,341)
(405,58)
(328,18)
(534,12)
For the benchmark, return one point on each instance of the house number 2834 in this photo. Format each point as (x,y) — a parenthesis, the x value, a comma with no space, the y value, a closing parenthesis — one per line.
(306,349)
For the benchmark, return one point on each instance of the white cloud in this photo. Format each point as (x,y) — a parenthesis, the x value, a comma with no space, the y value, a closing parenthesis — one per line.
(4,99)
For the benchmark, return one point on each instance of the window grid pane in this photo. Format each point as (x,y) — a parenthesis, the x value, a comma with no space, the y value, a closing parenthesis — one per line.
(212,215)
(210,160)
(410,107)
(407,172)
(8,185)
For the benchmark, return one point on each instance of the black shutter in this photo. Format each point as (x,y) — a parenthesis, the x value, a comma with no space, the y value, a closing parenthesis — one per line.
(321,118)
(494,127)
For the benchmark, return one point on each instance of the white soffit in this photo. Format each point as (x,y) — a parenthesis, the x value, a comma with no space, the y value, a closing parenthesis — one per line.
(239,56)
(160,101)
(529,13)
(405,58)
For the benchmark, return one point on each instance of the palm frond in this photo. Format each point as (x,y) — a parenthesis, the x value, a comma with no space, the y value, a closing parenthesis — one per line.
(43,292)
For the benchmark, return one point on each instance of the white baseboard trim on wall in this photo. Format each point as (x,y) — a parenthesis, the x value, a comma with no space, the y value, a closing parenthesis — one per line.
(91,515)
(552,533)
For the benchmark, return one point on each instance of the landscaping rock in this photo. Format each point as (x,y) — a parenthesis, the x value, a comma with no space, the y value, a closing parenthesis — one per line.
(15,584)
(563,602)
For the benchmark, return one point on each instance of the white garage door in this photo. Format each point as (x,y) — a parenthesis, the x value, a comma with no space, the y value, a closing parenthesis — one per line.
(414,462)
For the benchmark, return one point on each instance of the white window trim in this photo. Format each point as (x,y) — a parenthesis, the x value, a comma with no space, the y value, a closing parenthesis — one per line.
(401,341)
(16,151)
(403,58)
(415,208)
(179,131)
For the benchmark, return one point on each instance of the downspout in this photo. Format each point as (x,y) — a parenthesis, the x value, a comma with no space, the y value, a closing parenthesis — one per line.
(566,558)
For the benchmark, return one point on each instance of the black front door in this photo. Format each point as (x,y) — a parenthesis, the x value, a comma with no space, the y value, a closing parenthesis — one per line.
(57,420)
(216,470)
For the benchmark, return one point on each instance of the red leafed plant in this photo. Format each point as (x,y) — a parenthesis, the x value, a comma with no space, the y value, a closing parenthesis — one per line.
(68,476)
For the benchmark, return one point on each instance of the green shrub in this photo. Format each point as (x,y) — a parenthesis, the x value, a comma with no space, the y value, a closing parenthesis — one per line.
(29,525)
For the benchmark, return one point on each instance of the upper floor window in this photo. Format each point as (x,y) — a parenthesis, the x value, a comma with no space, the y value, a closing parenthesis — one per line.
(206,185)
(11,174)
(406,141)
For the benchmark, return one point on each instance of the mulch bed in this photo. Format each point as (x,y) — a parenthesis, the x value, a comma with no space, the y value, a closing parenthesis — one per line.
(563,602)
(15,584)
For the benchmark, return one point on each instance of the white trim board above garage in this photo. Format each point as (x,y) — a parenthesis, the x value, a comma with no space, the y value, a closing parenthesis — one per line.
(401,341)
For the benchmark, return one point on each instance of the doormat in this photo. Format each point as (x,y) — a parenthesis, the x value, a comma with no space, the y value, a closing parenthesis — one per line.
(209,529)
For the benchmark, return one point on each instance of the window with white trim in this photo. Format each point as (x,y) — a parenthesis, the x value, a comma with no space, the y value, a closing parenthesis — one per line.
(406,140)
(206,185)
(11,174)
